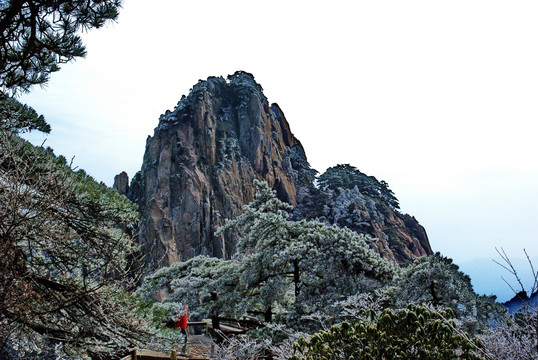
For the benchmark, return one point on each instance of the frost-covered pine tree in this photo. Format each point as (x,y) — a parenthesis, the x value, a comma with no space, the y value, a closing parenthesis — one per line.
(209,286)
(289,268)
(435,280)
(302,266)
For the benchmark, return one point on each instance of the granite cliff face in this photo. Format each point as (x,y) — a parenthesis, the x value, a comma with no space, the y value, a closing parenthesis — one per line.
(199,167)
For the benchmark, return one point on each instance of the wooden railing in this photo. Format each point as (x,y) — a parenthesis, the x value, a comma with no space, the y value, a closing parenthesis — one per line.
(226,326)
(155,355)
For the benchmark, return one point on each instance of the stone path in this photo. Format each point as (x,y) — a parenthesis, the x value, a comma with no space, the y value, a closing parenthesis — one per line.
(199,346)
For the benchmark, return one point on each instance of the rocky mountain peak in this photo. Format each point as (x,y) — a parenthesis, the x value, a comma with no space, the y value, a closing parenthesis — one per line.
(199,167)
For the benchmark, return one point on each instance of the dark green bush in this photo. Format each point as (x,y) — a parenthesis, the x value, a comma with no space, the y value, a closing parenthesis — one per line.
(412,333)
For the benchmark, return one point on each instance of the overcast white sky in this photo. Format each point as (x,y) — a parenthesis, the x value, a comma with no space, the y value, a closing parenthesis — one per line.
(439,99)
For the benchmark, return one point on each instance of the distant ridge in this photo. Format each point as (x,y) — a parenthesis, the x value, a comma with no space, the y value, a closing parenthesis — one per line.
(520,300)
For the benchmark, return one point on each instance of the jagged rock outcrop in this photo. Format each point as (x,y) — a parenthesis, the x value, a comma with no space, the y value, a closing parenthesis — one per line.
(199,167)
(346,197)
(121,183)
(400,236)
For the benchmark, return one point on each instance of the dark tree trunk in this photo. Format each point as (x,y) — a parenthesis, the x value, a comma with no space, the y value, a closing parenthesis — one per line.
(268,315)
(435,298)
(296,278)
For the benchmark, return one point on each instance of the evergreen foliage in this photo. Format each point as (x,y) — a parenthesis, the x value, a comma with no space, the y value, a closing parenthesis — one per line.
(20,118)
(347,177)
(412,333)
(209,285)
(320,263)
(38,35)
(305,275)
(292,269)
(346,197)
(436,281)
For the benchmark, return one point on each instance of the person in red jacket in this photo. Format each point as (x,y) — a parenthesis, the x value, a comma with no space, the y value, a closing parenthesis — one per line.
(182,324)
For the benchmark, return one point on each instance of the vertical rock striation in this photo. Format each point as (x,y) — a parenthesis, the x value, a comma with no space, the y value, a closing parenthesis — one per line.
(199,167)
